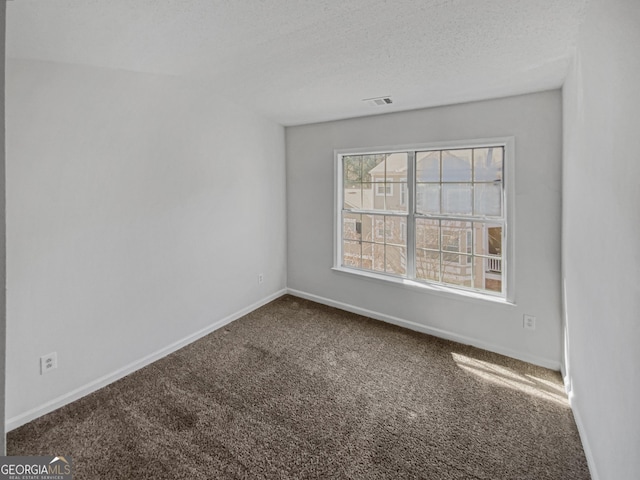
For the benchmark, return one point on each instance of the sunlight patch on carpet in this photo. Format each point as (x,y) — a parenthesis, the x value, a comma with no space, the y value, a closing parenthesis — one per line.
(503,376)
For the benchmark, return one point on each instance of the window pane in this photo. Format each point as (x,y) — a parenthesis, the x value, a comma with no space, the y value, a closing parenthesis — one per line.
(351,226)
(456,165)
(478,272)
(428,233)
(487,164)
(454,238)
(351,254)
(396,230)
(352,197)
(493,285)
(373,228)
(378,257)
(428,166)
(427,198)
(396,260)
(379,190)
(488,239)
(378,229)
(352,168)
(450,242)
(488,199)
(488,274)
(395,196)
(396,167)
(373,168)
(368,197)
(456,270)
(428,265)
(367,256)
(404,193)
(456,198)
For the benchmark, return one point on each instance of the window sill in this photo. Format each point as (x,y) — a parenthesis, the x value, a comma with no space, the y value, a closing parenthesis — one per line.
(442,290)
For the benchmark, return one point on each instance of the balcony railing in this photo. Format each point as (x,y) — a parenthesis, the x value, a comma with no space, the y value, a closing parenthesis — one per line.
(494,265)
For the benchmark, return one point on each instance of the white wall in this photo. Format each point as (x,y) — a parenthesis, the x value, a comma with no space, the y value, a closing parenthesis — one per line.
(536,123)
(3,257)
(140,210)
(601,235)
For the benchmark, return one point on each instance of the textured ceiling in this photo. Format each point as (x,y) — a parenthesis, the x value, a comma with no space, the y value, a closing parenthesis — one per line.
(298,61)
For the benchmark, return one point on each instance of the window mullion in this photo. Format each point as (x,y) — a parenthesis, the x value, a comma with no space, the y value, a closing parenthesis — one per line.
(440,193)
(411,224)
(440,243)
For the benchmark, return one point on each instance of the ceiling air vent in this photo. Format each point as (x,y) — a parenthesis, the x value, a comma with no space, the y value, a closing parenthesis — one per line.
(378,101)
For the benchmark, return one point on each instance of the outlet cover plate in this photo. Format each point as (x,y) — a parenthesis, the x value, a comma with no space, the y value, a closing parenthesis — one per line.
(529,322)
(48,362)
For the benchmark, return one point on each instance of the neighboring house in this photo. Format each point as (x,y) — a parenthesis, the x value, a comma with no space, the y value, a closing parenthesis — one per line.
(378,242)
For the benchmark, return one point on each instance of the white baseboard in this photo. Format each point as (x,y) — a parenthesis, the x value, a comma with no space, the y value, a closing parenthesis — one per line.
(436,332)
(91,387)
(583,438)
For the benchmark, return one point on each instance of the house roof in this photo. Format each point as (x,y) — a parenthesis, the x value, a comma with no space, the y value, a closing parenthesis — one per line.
(458,169)
(394,164)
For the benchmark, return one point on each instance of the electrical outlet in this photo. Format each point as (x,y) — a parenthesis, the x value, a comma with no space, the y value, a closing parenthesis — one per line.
(261,278)
(48,363)
(529,322)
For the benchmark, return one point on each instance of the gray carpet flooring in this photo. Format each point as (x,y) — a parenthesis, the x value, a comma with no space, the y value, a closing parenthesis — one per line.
(298,390)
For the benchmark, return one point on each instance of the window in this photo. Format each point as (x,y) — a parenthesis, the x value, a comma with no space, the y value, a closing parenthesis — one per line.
(383,189)
(431,214)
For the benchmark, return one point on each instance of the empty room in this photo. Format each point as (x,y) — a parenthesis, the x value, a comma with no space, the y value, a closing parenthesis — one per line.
(360,240)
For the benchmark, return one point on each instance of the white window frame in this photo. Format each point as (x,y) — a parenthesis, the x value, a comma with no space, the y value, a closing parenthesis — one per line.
(508,258)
